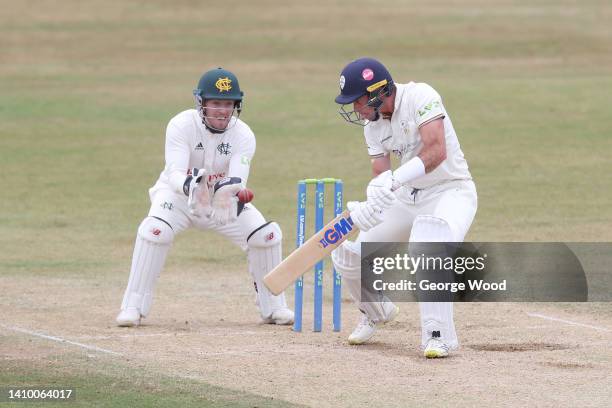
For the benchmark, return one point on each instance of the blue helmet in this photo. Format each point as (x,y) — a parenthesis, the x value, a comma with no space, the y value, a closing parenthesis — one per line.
(364,76)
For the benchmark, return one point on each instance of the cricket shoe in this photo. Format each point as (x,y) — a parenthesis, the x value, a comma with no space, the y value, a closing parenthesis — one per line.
(129,317)
(367,327)
(282,317)
(435,348)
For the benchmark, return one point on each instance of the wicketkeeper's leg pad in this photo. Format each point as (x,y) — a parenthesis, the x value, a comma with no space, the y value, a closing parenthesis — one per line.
(153,241)
(264,253)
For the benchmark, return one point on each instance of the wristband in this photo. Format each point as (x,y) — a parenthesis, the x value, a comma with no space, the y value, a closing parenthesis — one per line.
(411,170)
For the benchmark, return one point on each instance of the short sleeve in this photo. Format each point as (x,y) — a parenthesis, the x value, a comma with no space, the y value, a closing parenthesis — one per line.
(428,105)
(373,138)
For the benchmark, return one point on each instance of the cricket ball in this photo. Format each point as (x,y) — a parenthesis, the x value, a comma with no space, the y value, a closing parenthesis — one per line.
(245,195)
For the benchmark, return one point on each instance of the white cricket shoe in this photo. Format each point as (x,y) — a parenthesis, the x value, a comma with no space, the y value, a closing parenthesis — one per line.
(435,348)
(367,327)
(363,332)
(129,317)
(282,317)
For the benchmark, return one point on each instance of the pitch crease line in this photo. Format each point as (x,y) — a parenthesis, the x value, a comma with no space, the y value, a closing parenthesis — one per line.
(556,319)
(60,340)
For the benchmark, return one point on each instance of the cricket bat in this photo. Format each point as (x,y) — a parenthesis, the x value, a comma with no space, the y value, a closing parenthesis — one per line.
(312,251)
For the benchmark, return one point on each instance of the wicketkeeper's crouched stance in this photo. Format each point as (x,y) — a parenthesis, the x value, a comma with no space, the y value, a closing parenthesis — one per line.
(430,198)
(208,155)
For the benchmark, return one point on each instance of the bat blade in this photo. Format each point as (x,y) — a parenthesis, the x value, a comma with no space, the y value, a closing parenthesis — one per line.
(312,251)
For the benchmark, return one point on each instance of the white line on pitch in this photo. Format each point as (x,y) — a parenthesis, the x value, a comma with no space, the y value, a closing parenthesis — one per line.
(128,336)
(59,340)
(556,319)
(174,334)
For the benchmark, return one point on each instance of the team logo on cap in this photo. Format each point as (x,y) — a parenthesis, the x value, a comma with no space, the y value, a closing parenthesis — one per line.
(367,74)
(224,84)
(342,81)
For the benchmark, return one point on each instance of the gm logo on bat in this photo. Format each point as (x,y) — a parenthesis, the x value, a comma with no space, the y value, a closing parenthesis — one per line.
(334,234)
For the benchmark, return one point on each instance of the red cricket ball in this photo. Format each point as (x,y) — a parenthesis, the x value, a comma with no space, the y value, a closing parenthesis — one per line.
(245,195)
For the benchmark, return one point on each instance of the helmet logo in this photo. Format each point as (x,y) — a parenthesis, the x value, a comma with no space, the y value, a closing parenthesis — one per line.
(342,81)
(224,84)
(367,74)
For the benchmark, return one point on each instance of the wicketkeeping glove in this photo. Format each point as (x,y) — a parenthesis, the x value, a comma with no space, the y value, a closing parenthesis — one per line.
(225,202)
(199,196)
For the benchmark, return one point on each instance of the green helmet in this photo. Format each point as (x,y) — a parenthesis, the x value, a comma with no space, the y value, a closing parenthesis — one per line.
(219,83)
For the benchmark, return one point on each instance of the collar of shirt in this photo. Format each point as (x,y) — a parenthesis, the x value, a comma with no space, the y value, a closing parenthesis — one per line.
(400,90)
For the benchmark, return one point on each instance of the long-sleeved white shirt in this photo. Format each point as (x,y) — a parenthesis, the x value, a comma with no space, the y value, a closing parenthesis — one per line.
(189,144)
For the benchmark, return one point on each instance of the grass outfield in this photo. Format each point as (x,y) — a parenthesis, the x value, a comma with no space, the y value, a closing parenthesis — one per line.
(99,384)
(87,88)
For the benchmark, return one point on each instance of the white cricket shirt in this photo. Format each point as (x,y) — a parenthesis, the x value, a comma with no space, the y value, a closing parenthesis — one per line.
(189,144)
(415,105)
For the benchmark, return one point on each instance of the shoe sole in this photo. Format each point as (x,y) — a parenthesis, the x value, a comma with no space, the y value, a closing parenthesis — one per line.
(128,324)
(357,343)
(434,354)
(283,322)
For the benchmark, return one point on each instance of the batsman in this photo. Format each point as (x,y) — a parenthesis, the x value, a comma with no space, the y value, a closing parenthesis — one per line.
(208,154)
(430,197)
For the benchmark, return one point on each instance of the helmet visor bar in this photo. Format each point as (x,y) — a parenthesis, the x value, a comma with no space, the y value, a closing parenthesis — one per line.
(352,116)
(205,116)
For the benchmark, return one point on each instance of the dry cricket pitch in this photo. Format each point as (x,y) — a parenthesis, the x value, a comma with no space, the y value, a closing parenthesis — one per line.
(512,354)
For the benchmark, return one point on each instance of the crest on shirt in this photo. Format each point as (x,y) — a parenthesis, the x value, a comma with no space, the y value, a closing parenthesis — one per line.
(399,152)
(403,149)
(167,206)
(224,148)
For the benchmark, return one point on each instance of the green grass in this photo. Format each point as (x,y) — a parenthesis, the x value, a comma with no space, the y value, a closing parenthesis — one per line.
(100,384)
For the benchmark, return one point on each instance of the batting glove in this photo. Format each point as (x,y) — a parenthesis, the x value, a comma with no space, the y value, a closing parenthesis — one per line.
(364,215)
(379,191)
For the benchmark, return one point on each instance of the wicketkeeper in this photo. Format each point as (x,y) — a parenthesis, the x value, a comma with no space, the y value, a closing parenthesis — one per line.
(208,155)
(430,197)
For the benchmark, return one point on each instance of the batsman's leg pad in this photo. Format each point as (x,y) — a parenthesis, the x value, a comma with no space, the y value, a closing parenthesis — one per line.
(427,228)
(438,315)
(264,253)
(153,241)
(347,260)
